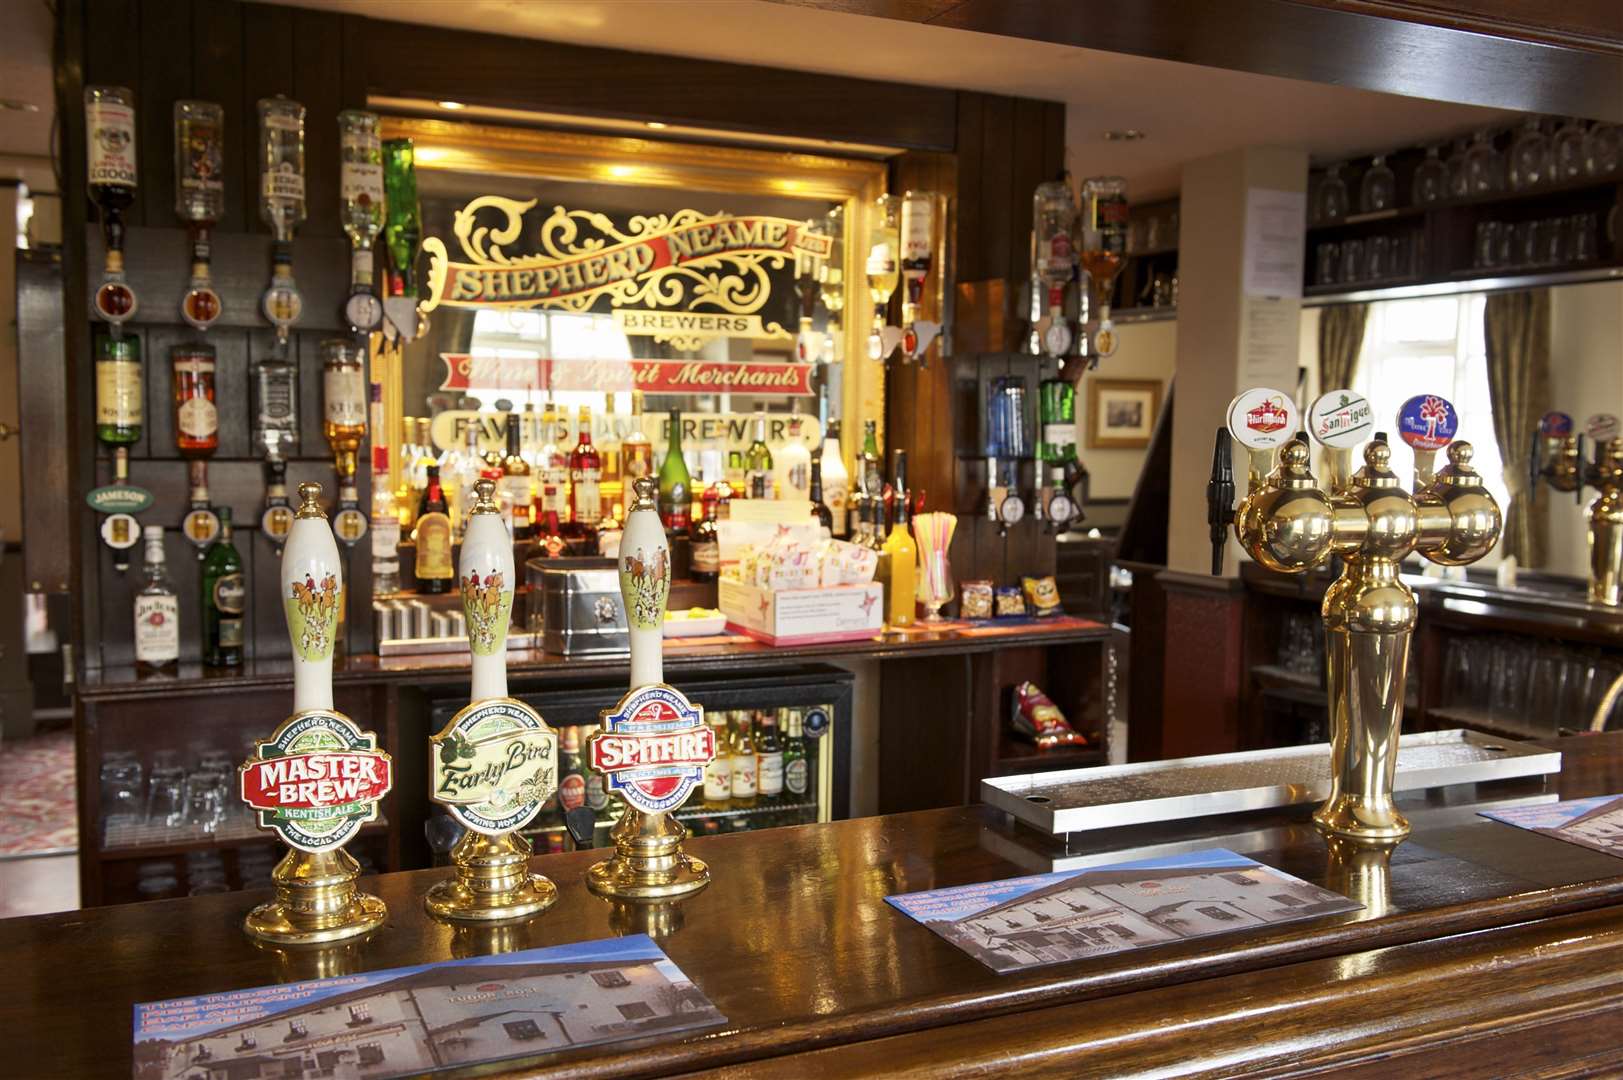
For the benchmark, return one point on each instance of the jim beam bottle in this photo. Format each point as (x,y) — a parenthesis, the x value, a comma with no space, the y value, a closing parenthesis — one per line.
(281,205)
(111,160)
(343,384)
(318,779)
(157,610)
(199,199)
(654,745)
(496,763)
(360,194)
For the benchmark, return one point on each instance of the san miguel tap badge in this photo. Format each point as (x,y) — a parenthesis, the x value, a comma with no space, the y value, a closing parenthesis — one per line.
(319,778)
(654,744)
(496,763)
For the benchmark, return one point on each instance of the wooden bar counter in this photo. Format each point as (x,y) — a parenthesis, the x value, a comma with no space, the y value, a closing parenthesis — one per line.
(1482,950)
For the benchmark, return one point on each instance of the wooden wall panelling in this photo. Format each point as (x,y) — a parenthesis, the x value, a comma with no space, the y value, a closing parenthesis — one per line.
(165,51)
(999,214)
(925,741)
(217,71)
(318,83)
(48,502)
(971,126)
(1204,621)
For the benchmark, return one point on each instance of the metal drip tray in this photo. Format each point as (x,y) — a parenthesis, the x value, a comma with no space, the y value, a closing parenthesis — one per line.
(1111,796)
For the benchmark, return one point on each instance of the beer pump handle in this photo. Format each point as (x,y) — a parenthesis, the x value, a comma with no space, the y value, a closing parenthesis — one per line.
(645,583)
(312,587)
(1220,498)
(485,576)
(1535,464)
(1584,473)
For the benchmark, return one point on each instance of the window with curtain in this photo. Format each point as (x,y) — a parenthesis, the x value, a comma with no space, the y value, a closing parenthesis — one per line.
(1430,346)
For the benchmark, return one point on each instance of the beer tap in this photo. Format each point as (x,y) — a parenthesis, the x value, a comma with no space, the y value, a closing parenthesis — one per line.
(1563,467)
(1289,524)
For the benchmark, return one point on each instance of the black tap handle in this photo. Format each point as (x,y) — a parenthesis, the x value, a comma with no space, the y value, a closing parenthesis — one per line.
(1220,498)
(582,825)
(1584,474)
(1535,463)
(1077,482)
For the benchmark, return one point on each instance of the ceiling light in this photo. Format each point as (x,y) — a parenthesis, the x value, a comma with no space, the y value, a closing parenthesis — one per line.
(1124,135)
(622,170)
(13,105)
(427,154)
(657,125)
(451,105)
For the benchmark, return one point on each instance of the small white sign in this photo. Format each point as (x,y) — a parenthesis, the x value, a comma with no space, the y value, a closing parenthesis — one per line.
(1340,419)
(1262,418)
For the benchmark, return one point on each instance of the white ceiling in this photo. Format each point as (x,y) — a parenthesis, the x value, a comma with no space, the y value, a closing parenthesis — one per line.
(1188,111)
(25,76)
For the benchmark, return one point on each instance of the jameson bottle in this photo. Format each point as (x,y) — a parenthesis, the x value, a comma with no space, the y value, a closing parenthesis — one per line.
(433,534)
(516,480)
(675,485)
(118,390)
(157,610)
(225,598)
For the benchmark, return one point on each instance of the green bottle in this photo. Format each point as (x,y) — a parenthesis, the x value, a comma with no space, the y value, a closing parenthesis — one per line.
(225,598)
(403,223)
(675,485)
(118,390)
(758,464)
(871,478)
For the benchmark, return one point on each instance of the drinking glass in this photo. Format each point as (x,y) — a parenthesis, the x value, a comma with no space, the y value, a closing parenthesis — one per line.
(1583,233)
(1325,257)
(1431,178)
(935,584)
(1481,165)
(1459,685)
(1524,245)
(1352,261)
(1331,204)
(1546,690)
(121,787)
(1570,150)
(1402,261)
(1486,254)
(166,795)
(215,760)
(1379,188)
(1377,252)
(1529,157)
(1605,149)
(205,799)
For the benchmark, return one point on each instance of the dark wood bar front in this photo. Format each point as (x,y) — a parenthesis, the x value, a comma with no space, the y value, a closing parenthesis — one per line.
(1474,934)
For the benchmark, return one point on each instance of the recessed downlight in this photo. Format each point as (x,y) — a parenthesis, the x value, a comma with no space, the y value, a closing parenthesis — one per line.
(450,105)
(1124,135)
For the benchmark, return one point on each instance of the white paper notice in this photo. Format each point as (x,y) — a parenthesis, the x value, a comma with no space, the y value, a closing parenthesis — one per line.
(1270,341)
(1275,242)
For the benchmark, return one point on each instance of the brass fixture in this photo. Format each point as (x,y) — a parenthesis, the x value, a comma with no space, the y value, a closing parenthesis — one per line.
(1557,459)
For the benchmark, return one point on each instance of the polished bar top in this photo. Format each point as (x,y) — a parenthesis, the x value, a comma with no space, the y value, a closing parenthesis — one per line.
(795,945)
(958,638)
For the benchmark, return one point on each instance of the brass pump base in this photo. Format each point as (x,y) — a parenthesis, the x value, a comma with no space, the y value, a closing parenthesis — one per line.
(316,901)
(492,882)
(648,862)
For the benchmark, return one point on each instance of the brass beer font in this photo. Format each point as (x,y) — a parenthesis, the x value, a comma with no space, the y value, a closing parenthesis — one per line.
(1557,459)
(1289,524)
(319,777)
(496,763)
(653,746)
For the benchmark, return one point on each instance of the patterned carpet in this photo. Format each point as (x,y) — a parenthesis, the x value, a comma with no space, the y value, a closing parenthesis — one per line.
(37,776)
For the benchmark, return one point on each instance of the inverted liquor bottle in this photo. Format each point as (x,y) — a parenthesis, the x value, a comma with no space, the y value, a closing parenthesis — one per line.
(360,208)
(119,381)
(402,234)
(1102,251)
(112,176)
(882,265)
(343,384)
(200,198)
(275,404)
(1054,259)
(282,204)
(918,254)
(197,427)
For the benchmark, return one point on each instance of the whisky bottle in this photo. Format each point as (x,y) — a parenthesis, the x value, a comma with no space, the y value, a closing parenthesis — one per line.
(516,481)
(769,760)
(225,599)
(282,205)
(343,384)
(820,511)
(111,159)
(118,390)
(360,195)
(197,425)
(585,476)
(743,761)
(675,483)
(716,505)
(636,455)
(758,463)
(157,609)
(433,536)
(276,415)
(199,199)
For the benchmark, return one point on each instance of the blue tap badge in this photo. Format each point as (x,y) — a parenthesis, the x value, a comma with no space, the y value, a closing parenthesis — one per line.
(816,723)
(1555,425)
(1427,422)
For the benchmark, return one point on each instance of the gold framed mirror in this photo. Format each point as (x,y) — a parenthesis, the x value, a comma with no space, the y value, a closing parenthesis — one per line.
(555,256)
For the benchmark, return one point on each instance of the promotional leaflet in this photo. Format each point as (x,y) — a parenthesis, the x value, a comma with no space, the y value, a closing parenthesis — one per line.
(1592,823)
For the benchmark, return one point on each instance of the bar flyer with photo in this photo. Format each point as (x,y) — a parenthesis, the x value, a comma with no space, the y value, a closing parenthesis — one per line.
(1596,822)
(409,1020)
(1028,922)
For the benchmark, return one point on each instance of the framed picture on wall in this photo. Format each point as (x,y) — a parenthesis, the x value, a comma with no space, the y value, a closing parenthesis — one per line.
(1121,413)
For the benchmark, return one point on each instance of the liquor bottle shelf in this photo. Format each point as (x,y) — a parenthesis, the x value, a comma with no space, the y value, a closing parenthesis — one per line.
(143,840)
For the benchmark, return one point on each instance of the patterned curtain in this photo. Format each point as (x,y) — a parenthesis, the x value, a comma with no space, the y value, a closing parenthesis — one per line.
(1517,330)
(1341,339)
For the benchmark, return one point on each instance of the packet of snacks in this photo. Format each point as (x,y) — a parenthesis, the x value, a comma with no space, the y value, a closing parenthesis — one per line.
(1039,719)
(976,600)
(1042,595)
(785,562)
(842,563)
(1009,601)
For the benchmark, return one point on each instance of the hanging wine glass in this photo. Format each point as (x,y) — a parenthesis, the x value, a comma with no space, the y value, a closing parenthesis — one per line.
(1529,157)
(1431,177)
(1331,205)
(1378,190)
